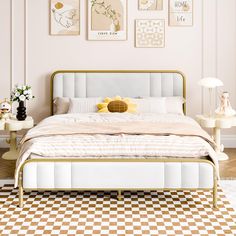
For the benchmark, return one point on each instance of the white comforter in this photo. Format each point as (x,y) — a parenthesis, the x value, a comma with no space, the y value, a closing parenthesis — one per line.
(116,146)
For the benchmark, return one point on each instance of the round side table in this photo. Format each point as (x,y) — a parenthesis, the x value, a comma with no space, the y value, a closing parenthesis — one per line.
(217,123)
(13,126)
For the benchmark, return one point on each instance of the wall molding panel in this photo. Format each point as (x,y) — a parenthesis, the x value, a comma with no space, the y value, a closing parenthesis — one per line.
(25,41)
(11,45)
(209,38)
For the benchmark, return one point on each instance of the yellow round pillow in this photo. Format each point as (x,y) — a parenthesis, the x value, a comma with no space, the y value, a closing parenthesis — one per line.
(117,104)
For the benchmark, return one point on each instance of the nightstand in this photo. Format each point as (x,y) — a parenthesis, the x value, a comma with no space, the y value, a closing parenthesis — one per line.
(13,126)
(217,123)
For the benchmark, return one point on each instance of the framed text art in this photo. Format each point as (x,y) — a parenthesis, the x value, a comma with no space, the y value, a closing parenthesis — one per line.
(150,33)
(65,17)
(150,4)
(107,19)
(180,12)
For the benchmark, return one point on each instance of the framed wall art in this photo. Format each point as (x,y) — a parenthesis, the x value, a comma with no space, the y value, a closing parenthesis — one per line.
(151,5)
(180,12)
(150,33)
(107,19)
(65,17)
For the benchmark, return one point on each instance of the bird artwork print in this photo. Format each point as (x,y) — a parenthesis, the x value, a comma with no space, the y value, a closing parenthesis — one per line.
(65,16)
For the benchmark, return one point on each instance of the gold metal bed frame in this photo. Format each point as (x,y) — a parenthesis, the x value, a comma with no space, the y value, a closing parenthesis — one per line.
(119,196)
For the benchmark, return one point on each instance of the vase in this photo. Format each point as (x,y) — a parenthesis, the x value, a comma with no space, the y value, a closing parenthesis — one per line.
(21,111)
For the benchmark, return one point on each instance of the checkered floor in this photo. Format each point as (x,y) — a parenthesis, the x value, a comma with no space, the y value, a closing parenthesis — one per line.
(98,213)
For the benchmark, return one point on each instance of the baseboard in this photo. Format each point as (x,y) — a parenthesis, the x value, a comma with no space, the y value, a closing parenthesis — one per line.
(229,141)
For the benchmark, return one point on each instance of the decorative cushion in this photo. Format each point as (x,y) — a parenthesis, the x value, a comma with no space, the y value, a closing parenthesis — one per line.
(117,104)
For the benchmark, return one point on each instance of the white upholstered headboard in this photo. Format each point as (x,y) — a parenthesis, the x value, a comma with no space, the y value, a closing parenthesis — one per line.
(124,83)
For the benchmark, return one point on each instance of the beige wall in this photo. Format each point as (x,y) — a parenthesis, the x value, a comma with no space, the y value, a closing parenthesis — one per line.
(206,49)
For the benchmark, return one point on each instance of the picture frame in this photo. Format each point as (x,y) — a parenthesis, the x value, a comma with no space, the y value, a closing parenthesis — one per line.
(150,33)
(64,17)
(180,12)
(107,20)
(151,5)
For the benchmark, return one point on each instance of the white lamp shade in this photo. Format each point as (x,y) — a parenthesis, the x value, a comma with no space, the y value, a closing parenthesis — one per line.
(210,82)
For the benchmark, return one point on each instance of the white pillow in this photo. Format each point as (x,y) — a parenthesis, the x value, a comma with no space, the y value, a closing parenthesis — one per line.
(60,105)
(151,105)
(174,105)
(161,105)
(84,105)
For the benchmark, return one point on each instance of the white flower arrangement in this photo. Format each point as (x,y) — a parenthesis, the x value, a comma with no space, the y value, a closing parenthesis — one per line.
(21,93)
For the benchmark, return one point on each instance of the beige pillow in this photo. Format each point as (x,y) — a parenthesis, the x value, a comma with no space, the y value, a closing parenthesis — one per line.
(61,105)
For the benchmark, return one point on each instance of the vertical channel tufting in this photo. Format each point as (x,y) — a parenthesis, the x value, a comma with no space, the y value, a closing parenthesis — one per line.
(58,85)
(155,84)
(54,175)
(75,87)
(63,95)
(161,95)
(62,181)
(178,85)
(190,175)
(45,175)
(71,176)
(206,175)
(80,85)
(37,176)
(32,171)
(172,175)
(68,85)
(167,84)
(199,173)
(151,85)
(86,76)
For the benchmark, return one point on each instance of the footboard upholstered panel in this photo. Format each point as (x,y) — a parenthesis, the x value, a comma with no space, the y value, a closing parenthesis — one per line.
(118,175)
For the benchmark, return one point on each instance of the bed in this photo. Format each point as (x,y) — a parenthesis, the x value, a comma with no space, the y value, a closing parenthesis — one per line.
(39,171)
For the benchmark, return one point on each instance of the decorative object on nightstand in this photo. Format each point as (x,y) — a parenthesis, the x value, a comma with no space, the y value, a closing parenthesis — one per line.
(210,84)
(21,94)
(13,125)
(5,110)
(217,123)
(225,108)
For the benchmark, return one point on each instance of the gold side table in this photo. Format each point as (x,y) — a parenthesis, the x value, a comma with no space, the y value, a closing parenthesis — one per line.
(13,126)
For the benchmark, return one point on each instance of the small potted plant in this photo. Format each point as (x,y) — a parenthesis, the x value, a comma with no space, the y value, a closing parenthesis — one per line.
(20,94)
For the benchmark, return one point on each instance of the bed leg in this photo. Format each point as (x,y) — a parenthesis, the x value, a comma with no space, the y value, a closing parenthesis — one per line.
(119,196)
(215,195)
(21,191)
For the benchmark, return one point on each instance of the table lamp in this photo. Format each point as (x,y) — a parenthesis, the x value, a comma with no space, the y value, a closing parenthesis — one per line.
(210,83)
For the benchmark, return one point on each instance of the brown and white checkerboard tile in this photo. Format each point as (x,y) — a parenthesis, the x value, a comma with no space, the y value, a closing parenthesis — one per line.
(99,213)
